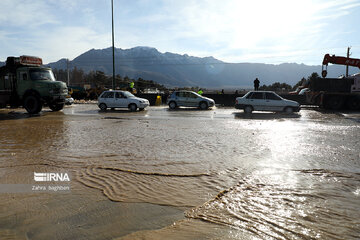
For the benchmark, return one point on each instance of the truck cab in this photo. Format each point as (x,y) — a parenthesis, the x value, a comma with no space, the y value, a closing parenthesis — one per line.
(355,87)
(25,81)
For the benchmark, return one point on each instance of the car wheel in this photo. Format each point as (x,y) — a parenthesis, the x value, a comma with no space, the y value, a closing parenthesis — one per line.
(289,110)
(203,105)
(103,106)
(172,105)
(132,107)
(248,109)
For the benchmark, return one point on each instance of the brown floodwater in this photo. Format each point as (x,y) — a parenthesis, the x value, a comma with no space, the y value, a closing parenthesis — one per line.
(183,174)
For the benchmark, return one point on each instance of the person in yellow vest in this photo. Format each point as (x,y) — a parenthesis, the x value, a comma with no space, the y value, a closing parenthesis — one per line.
(131,86)
(200,92)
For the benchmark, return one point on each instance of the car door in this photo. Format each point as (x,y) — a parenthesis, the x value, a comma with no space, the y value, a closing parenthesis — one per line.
(273,102)
(120,100)
(108,99)
(181,98)
(257,101)
(192,100)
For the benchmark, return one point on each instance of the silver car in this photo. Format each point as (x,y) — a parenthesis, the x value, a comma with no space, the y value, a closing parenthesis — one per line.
(121,99)
(265,101)
(189,99)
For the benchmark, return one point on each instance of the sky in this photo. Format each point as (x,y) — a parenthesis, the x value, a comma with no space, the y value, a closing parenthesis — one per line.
(258,31)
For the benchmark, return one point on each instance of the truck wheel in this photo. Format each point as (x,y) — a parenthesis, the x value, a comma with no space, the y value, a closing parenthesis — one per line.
(32,104)
(56,107)
(353,103)
(334,102)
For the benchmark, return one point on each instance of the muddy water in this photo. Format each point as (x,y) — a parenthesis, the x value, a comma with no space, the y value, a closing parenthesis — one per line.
(155,174)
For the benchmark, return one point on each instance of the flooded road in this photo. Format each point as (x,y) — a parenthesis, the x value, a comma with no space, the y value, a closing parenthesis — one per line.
(183,174)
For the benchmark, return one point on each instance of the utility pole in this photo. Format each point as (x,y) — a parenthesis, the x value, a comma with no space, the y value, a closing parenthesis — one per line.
(347,66)
(113,48)
(68,75)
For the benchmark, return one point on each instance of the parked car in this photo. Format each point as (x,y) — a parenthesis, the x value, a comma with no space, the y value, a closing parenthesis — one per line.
(265,101)
(189,99)
(121,99)
(297,90)
(69,100)
(304,91)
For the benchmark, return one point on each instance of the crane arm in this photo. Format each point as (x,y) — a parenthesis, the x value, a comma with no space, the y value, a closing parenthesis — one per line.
(341,60)
(354,62)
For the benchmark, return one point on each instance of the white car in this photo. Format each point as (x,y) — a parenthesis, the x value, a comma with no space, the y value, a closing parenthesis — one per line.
(69,100)
(189,99)
(121,99)
(265,101)
(304,91)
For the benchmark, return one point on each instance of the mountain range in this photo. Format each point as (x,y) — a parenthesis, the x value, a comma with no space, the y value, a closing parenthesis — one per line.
(173,69)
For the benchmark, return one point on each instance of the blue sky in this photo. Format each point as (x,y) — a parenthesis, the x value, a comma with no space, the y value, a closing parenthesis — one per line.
(263,31)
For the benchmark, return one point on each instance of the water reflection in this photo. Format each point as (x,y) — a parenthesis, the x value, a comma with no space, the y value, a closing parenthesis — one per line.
(272,175)
(273,207)
(30,144)
(265,116)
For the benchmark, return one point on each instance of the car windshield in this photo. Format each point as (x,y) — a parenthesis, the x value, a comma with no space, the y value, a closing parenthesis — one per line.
(247,95)
(193,95)
(128,94)
(41,74)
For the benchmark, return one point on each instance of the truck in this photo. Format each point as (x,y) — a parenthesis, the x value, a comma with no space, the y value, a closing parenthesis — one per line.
(25,81)
(336,93)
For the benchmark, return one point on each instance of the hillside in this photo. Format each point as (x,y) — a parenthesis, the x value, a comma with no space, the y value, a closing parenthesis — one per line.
(183,70)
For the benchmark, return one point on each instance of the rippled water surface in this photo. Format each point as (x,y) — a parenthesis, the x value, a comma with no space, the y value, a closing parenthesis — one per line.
(155,174)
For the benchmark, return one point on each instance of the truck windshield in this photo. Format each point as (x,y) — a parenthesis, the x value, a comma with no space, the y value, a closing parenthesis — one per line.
(41,74)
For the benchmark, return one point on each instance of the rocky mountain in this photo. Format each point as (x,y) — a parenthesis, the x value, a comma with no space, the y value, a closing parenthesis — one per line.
(183,70)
